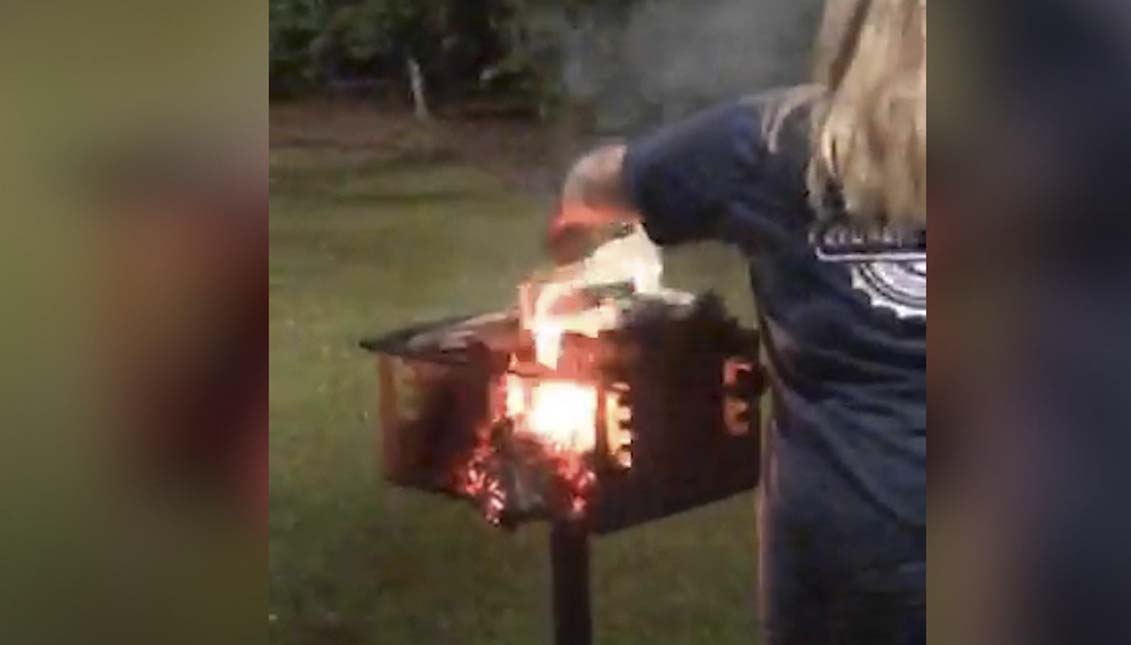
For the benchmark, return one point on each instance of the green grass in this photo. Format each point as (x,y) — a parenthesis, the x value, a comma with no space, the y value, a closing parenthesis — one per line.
(359,246)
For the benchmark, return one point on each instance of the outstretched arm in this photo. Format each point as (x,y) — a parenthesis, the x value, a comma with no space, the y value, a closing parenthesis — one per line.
(679,181)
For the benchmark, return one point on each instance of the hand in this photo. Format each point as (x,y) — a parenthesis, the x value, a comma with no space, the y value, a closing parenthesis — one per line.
(572,232)
(592,199)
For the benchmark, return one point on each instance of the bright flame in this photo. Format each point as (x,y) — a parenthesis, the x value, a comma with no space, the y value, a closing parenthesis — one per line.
(565,414)
(516,396)
(633,259)
(548,344)
(561,413)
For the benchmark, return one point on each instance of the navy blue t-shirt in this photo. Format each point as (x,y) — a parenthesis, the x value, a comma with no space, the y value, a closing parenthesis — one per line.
(844,320)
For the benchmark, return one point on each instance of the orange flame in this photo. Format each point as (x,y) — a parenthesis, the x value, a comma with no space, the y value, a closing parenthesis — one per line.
(564,413)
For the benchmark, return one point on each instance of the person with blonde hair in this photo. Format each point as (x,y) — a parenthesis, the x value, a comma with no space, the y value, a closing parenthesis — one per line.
(823,188)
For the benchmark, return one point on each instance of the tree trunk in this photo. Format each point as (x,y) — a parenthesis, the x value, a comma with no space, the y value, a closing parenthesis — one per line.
(419,100)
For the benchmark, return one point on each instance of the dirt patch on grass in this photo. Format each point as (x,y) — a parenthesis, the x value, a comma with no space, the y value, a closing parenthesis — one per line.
(529,155)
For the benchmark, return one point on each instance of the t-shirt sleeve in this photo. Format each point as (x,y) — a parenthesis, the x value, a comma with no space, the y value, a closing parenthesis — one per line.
(682,178)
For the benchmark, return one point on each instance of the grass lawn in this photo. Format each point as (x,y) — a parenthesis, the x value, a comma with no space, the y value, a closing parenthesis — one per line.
(362,245)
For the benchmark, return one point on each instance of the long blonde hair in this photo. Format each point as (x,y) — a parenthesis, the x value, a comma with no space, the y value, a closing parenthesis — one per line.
(869,116)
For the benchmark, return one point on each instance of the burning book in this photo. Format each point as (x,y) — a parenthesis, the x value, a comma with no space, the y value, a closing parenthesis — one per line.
(602,399)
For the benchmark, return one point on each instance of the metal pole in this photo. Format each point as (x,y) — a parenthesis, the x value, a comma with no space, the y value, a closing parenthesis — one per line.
(569,558)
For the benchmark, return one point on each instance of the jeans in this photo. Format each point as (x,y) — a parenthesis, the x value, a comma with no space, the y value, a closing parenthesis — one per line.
(833,567)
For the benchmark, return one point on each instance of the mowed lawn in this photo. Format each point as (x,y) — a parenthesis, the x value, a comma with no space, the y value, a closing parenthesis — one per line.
(359,246)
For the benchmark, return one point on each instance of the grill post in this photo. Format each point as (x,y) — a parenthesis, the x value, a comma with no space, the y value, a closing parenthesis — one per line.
(569,561)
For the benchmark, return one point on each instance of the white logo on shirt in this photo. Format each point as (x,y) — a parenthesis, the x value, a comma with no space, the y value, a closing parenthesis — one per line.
(887,265)
(898,286)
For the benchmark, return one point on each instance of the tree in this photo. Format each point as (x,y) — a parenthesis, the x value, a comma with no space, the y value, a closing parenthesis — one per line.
(513,46)
(293,26)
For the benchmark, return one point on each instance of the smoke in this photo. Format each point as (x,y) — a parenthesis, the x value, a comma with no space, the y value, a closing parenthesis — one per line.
(669,57)
(719,48)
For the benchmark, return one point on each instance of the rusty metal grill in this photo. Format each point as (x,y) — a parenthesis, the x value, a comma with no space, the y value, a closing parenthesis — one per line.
(675,419)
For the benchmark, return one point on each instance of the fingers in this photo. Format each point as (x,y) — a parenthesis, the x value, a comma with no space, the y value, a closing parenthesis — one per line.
(570,232)
(575,230)
(568,242)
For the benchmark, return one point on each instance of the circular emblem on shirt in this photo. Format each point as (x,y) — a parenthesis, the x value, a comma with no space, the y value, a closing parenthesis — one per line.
(898,286)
